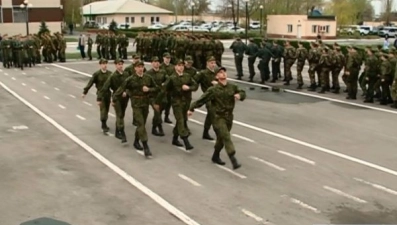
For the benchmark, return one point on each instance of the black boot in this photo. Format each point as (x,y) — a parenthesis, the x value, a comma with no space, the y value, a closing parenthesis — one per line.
(394,105)
(176,142)
(167,119)
(154,131)
(233,159)
(146,149)
(207,136)
(161,131)
(188,146)
(216,158)
(117,134)
(137,145)
(123,137)
(105,127)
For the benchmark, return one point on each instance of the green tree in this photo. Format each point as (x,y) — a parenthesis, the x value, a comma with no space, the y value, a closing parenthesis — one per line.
(72,11)
(351,12)
(43,28)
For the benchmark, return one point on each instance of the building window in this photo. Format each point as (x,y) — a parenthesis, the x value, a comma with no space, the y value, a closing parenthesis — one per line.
(127,20)
(132,19)
(289,26)
(157,19)
(98,19)
(142,19)
(323,29)
(152,19)
(104,20)
(1,15)
(18,15)
(314,29)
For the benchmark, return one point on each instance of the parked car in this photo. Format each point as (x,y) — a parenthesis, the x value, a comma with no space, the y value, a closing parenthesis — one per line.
(198,29)
(156,26)
(238,30)
(388,32)
(123,26)
(255,25)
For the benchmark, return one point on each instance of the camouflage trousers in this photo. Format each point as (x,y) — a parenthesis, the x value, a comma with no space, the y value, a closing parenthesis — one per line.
(352,83)
(223,125)
(335,77)
(209,117)
(157,114)
(312,73)
(287,69)
(385,85)
(324,76)
(370,80)
(394,90)
(180,113)
(362,81)
(299,69)
(119,107)
(104,107)
(140,115)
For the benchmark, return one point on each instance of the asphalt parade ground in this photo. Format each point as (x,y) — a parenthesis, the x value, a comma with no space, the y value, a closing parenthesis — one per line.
(306,159)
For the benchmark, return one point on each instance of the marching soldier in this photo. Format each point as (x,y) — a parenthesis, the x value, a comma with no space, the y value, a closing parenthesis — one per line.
(168,67)
(301,56)
(90,42)
(238,48)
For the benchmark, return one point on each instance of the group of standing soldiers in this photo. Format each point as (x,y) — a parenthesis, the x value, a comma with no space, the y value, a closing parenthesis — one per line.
(179,44)
(109,46)
(377,80)
(164,86)
(21,51)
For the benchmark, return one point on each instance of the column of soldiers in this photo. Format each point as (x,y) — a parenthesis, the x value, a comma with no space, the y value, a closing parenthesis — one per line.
(168,85)
(109,46)
(22,51)
(373,71)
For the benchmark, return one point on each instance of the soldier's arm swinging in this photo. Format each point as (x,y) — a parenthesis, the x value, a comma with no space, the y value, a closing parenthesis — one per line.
(204,98)
(91,82)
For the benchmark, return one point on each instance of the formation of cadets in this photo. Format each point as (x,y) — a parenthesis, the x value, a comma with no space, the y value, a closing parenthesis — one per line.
(161,88)
(22,51)
(377,79)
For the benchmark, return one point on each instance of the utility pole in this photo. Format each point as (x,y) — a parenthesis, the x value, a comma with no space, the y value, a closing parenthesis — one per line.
(388,12)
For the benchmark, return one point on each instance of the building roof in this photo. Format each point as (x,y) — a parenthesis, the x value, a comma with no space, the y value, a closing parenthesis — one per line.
(122,7)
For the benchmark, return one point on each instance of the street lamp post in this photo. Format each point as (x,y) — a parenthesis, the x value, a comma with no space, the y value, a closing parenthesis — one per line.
(192,4)
(246,21)
(90,15)
(261,7)
(26,5)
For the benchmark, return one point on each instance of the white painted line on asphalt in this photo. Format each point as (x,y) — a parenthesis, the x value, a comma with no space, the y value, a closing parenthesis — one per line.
(231,171)
(171,125)
(46,97)
(304,205)
(184,149)
(43,82)
(72,96)
(110,134)
(212,141)
(23,73)
(196,121)
(243,138)
(34,90)
(47,68)
(62,107)
(1,70)
(87,103)
(23,84)
(300,158)
(140,152)
(80,117)
(190,180)
(267,163)
(6,74)
(13,78)
(287,138)
(341,193)
(15,69)
(57,89)
(377,186)
(252,215)
(112,115)
(155,197)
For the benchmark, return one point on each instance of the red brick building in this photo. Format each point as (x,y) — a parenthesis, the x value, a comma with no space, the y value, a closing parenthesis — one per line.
(13,17)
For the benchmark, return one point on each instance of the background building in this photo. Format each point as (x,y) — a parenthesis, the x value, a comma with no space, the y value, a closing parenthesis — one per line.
(301,26)
(132,12)
(12,17)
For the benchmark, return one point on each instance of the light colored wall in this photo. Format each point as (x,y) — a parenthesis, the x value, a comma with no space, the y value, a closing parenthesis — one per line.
(20,28)
(36,3)
(278,25)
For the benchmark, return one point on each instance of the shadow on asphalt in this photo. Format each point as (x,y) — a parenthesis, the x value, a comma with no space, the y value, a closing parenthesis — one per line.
(348,215)
(45,221)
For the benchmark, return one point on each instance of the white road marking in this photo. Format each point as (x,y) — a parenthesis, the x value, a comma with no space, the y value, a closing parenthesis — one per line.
(140,152)
(196,121)
(155,197)
(23,84)
(6,74)
(190,180)
(377,186)
(80,117)
(184,149)
(62,107)
(296,141)
(23,73)
(304,205)
(112,115)
(341,193)
(171,125)
(15,69)
(43,82)
(1,70)
(110,134)
(34,90)
(268,163)
(243,138)
(20,127)
(57,89)
(47,68)
(87,103)
(46,97)
(72,96)
(297,157)
(231,171)
(212,141)
(13,78)
(252,215)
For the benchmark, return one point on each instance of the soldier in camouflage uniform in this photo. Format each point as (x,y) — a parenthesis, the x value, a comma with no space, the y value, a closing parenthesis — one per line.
(238,48)
(105,46)
(385,77)
(301,56)
(6,46)
(313,59)
(90,42)
(371,73)
(170,69)
(112,46)
(352,70)
(339,62)
(325,63)
(123,43)
(98,42)
(251,51)
(289,56)
(394,89)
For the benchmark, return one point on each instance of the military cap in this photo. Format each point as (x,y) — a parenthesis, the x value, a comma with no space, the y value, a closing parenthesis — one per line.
(103,61)
(356,48)
(221,68)
(167,55)
(117,61)
(349,47)
(385,55)
(337,48)
(179,61)
(392,51)
(251,39)
(211,58)
(385,51)
(189,59)
(138,63)
(336,44)
(136,56)
(155,59)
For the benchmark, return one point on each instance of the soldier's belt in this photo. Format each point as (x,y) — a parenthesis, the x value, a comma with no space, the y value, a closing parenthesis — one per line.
(137,96)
